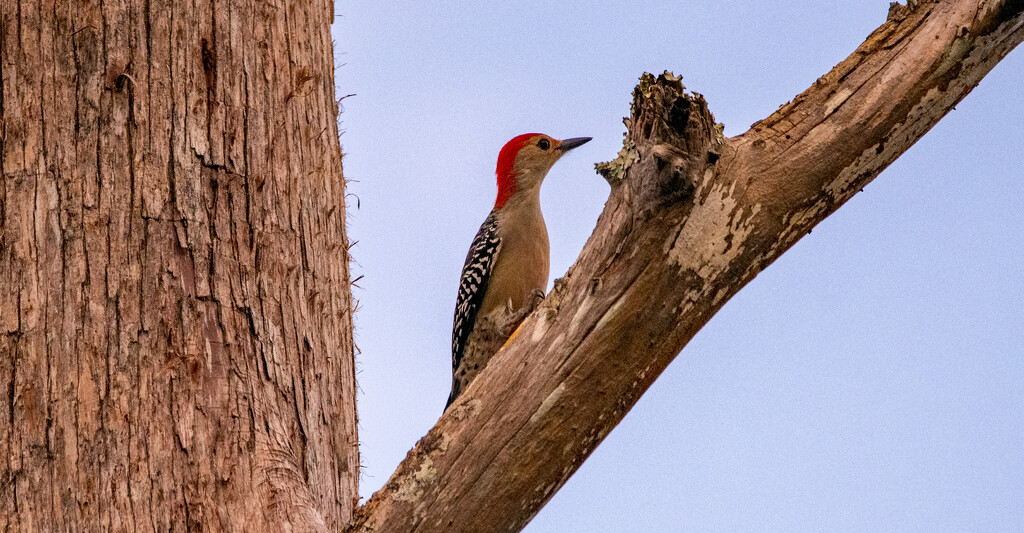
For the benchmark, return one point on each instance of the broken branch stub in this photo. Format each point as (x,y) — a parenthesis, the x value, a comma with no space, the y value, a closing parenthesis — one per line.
(671,130)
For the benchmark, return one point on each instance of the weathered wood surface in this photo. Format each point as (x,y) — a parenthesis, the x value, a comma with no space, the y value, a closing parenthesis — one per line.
(692,218)
(175,325)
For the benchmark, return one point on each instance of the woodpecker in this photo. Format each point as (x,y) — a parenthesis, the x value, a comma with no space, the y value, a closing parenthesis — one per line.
(506,269)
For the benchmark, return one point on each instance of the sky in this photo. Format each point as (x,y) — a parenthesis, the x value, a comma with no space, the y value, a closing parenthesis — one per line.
(871,379)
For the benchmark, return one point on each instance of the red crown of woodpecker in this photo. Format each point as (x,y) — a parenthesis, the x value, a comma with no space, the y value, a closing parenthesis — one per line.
(506,171)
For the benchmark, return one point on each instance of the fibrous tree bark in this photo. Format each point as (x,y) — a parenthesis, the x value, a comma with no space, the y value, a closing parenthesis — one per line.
(692,217)
(175,316)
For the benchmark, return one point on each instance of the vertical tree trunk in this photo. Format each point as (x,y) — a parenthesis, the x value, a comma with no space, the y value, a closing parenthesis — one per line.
(175,325)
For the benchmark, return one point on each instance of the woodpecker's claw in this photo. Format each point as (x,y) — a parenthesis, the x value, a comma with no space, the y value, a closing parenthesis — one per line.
(514,318)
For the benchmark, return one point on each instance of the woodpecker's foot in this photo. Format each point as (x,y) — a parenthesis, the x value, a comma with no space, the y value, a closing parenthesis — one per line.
(514,318)
(538,297)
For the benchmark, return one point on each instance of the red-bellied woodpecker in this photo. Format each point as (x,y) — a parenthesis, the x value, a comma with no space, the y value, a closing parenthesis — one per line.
(506,268)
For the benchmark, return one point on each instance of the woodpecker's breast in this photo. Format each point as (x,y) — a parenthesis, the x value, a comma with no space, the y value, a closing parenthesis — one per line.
(522,265)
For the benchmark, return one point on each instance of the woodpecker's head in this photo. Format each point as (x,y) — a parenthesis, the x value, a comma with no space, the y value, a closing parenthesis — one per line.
(525,160)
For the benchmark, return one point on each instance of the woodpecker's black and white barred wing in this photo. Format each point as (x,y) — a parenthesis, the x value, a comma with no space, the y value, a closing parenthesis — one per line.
(476,273)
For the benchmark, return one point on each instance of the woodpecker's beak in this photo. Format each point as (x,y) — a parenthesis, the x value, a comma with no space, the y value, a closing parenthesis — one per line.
(569,144)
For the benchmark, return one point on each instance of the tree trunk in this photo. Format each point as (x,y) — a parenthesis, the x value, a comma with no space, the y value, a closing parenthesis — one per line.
(692,218)
(175,316)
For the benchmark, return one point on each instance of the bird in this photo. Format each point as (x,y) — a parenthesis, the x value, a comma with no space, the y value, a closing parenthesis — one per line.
(506,268)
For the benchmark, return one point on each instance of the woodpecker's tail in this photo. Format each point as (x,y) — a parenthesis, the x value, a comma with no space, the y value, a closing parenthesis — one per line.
(454,394)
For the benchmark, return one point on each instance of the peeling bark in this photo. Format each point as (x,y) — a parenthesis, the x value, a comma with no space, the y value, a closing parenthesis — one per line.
(691,218)
(175,314)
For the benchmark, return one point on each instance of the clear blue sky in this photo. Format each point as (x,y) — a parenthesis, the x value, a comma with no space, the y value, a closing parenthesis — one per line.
(872,379)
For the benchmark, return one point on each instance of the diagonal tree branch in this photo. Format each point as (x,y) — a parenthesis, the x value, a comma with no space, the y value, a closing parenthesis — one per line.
(691,218)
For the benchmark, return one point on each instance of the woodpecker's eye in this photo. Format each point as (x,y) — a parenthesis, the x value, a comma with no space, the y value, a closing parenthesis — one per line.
(544,144)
